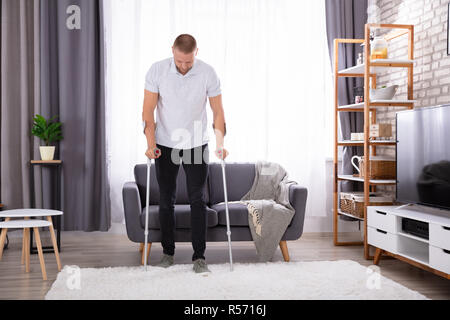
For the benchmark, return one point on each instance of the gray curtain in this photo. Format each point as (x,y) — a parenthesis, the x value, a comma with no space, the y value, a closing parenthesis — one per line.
(346,19)
(20,100)
(72,86)
(50,67)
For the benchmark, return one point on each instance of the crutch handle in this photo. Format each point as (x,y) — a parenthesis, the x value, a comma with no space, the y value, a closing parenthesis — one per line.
(220,153)
(156,152)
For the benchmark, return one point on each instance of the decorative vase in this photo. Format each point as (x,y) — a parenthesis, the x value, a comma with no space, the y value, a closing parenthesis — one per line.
(47,153)
(379,49)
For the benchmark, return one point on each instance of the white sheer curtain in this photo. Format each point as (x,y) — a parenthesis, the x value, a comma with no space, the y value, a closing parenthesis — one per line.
(272,58)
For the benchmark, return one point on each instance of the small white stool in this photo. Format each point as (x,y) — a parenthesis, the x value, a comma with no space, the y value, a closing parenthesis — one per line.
(26,224)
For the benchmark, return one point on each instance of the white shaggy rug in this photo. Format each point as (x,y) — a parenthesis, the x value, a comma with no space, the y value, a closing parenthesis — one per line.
(268,281)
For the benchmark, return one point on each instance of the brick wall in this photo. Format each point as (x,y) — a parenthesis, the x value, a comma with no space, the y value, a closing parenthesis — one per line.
(432,64)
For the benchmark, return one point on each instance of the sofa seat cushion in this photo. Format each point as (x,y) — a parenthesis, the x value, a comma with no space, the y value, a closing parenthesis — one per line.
(238,214)
(182,217)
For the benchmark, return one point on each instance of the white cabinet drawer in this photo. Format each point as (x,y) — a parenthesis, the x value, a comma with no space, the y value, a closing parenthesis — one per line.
(439,236)
(440,259)
(382,239)
(380,219)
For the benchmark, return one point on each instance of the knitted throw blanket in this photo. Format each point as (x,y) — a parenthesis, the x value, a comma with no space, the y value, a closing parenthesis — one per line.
(269,209)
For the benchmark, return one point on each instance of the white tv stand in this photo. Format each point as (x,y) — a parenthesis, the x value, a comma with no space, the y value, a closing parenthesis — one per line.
(385,232)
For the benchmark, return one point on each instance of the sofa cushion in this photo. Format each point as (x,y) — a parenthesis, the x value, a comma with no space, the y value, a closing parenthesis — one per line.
(182,217)
(140,176)
(238,214)
(239,176)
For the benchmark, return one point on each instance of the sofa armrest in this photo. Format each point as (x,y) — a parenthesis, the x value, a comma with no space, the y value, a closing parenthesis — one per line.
(132,209)
(297,198)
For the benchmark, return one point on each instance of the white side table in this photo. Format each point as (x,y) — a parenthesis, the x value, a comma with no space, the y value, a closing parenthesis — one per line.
(26,224)
(32,213)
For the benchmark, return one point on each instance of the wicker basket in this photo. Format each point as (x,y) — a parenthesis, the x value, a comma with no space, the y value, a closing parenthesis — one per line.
(380,169)
(353,202)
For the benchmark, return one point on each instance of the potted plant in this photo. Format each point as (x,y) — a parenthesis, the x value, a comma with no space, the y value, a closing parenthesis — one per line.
(48,131)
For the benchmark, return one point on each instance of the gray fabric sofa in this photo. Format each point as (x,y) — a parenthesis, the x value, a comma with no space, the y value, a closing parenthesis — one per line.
(239,177)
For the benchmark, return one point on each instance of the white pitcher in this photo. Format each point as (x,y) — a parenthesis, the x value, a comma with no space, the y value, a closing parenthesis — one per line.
(359,163)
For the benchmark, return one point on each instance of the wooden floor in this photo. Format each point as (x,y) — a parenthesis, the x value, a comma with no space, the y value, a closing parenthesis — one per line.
(105,249)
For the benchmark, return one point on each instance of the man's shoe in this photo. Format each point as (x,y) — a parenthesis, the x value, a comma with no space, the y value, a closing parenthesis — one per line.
(200,266)
(166,261)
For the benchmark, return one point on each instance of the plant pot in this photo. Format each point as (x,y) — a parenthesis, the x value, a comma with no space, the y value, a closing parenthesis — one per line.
(47,153)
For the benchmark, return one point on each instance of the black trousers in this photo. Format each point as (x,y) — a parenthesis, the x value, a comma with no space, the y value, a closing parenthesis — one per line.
(195,164)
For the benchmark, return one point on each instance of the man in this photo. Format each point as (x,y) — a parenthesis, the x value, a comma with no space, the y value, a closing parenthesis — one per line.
(178,88)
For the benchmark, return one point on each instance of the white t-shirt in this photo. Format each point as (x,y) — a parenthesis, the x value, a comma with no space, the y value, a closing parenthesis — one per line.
(181,120)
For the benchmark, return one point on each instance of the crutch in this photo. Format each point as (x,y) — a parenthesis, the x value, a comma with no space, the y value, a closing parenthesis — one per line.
(156,151)
(220,152)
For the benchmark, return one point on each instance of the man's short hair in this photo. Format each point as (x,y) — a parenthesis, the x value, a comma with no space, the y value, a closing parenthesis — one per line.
(185,43)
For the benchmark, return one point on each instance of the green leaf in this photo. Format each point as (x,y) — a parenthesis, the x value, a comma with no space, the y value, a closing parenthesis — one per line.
(51,137)
(48,131)
(41,121)
(53,127)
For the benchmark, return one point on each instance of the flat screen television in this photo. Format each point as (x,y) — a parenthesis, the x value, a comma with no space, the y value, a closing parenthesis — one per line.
(423,157)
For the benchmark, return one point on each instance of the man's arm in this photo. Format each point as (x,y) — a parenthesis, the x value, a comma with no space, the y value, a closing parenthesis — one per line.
(150,103)
(218,121)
